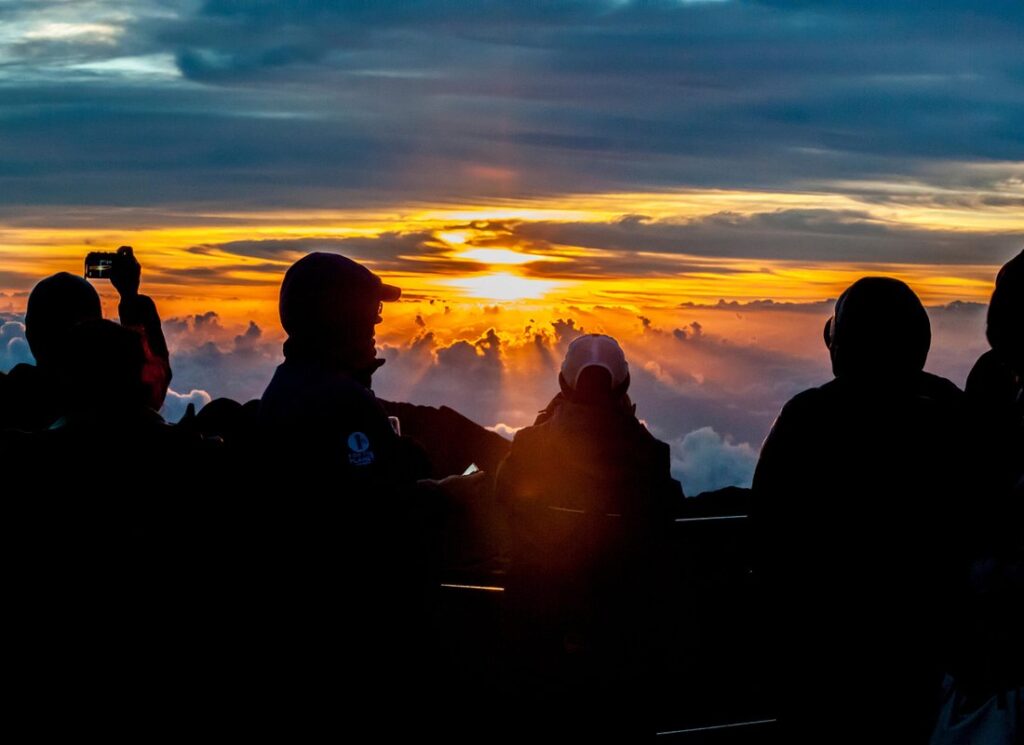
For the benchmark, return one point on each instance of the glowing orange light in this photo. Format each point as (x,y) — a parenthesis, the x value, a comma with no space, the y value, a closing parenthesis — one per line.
(500,256)
(503,286)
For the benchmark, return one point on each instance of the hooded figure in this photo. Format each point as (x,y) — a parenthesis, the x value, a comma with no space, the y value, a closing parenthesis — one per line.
(991,663)
(854,497)
(590,498)
(994,387)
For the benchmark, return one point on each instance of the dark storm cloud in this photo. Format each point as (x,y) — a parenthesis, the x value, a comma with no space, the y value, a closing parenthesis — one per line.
(224,274)
(385,247)
(393,251)
(302,103)
(798,234)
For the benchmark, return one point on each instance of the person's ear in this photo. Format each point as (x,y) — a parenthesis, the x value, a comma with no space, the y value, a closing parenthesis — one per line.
(829,331)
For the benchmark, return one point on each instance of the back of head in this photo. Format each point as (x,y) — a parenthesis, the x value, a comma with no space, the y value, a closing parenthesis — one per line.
(1005,329)
(880,331)
(594,371)
(329,305)
(102,364)
(55,306)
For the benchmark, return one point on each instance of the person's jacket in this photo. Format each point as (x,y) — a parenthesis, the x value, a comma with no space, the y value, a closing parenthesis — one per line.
(861,514)
(593,458)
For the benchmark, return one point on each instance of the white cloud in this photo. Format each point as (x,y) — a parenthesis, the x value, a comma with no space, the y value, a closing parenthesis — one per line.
(703,460)
(103,33)
(177,403)
(506,431)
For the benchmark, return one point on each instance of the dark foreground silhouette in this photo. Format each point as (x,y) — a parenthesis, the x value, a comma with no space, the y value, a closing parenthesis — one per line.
(860,497)
(313,562)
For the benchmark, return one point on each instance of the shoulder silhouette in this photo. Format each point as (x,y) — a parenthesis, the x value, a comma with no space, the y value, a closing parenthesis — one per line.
(855,495)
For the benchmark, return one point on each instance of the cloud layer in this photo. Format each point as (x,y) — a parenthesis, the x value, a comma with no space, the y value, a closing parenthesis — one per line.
(709,380)
(316,104)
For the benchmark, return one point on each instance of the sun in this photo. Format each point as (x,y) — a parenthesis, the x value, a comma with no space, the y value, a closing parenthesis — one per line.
(502,256)
(503,286)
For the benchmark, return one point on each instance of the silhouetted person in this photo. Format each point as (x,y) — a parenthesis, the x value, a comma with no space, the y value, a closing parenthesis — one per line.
(319,404)
(103,596)
(590,498)
(990,661)
(139,312)
(854,494)
(347,541)
(30,399)
(994,387)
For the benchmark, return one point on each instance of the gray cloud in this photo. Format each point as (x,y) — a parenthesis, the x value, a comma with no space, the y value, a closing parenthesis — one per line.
(318,104)
(797,234)
(736,306)
(209,358)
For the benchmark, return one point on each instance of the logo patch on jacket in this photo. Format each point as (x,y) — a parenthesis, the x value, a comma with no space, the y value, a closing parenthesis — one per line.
(359,453)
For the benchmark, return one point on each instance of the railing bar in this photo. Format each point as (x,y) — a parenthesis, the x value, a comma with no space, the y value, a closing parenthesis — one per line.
(716,517)
(718,727)
(485,588)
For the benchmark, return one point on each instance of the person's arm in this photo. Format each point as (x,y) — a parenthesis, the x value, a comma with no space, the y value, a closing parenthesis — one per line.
(139,312)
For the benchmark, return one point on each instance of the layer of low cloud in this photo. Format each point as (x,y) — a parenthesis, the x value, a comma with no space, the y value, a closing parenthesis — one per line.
(212,360)
(709,380)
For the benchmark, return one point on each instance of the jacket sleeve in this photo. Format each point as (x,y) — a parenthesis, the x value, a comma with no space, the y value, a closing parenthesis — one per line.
(140,313)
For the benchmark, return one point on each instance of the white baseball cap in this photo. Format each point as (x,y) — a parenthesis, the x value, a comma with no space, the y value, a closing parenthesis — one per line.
(594,350)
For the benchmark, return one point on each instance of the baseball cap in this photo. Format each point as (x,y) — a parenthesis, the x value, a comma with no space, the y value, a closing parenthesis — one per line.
(595,350)
(324,288)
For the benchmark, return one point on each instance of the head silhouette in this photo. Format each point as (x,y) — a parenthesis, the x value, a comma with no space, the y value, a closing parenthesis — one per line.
(594,371)
(879,331)
(329,306)
(102,367)
(1005,329)
(55,306)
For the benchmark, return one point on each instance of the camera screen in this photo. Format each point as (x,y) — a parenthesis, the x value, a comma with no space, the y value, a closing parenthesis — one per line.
(98,267)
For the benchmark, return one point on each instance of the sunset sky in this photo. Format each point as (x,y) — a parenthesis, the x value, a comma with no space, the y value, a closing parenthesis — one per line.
(697,177)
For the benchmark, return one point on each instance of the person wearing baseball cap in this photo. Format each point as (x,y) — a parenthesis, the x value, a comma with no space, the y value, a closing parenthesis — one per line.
(352,531)
(589,495)
(329,306)
(594,370)
(319,406)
